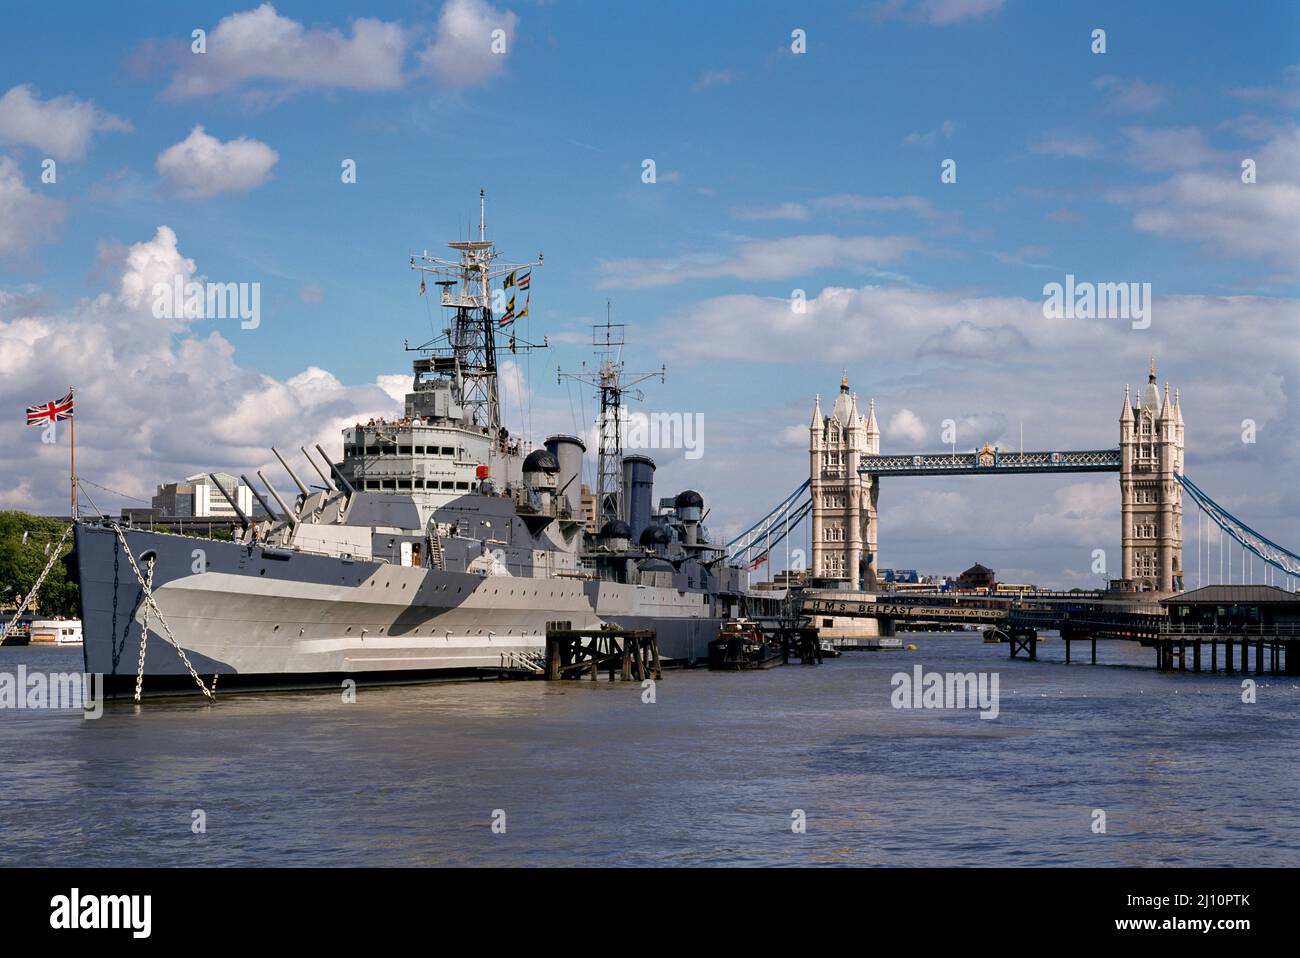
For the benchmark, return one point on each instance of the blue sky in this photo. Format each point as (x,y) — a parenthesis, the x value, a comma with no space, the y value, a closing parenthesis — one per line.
(776,171)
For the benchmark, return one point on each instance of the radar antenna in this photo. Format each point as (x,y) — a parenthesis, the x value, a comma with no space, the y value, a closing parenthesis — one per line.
(466,350)
(613,383)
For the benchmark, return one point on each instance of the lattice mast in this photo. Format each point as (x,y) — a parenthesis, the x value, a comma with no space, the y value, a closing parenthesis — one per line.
(612,383)
(470,351)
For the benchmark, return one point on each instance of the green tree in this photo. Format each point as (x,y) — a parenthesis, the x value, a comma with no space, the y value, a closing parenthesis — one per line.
(21,563)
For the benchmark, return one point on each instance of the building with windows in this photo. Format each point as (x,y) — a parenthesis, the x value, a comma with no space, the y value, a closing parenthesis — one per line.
(196,496)
(977,578)
(843,502)
(1151,499)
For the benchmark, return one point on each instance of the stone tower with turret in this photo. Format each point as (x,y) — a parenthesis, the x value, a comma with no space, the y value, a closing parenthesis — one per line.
(1151,499)
(843,502)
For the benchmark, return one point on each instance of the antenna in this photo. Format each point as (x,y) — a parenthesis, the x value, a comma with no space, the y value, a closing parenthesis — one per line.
(466,350)
(609,380)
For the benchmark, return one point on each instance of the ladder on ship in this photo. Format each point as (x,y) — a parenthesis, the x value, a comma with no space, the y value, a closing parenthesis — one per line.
(436,559)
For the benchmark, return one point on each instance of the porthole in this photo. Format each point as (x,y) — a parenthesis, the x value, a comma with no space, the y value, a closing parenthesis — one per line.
(275,629)
(349,628)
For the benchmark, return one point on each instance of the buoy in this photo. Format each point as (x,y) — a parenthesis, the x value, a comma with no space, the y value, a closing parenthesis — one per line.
(911,648)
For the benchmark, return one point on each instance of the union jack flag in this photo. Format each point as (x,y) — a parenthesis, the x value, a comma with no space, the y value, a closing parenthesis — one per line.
(55,411)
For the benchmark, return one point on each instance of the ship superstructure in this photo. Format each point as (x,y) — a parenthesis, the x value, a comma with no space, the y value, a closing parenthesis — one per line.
(436,545)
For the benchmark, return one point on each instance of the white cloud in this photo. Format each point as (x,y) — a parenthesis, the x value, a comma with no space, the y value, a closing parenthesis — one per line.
(26,217)
(1285,95)
(149,263)
(714,78)
(462,54)
(260,45)
(1065,144)
(793,437)
(1229,217)
(1130,96)
(906,426)
(781,211)
(969,339)
(158,400)
(1084,514)
(946,129)
(1065,215)
(1170,149)
(937,13)
(202,166)
(759,259)
(62,126)
(396,385)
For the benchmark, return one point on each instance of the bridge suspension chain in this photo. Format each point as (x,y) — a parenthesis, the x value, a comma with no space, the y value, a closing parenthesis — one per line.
(1272,553)
(782,517)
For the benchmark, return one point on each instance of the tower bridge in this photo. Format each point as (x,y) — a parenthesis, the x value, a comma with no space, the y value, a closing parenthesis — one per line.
(841,497)
(846,466)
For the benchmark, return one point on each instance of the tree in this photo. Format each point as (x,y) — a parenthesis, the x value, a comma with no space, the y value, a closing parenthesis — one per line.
(21,563)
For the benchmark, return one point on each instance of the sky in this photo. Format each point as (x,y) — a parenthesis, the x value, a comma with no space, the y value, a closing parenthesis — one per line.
(798,154)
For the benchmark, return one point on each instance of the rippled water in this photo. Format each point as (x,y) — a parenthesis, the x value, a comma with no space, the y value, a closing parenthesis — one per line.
(708,775)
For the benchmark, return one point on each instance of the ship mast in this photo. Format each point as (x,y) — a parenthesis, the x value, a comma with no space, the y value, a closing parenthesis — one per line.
(470,355)
(612,383)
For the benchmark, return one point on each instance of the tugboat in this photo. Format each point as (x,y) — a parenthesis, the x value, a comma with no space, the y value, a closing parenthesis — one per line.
(739,646)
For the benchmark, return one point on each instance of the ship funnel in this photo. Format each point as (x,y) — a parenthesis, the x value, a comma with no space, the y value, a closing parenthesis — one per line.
(568,452)
(638,493)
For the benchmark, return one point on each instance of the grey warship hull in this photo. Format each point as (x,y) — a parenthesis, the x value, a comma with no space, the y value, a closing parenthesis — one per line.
(257,617)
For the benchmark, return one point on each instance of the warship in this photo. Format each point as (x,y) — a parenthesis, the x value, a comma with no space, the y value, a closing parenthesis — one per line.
(436,547)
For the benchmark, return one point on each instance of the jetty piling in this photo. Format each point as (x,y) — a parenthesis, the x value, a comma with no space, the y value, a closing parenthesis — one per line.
(575,653)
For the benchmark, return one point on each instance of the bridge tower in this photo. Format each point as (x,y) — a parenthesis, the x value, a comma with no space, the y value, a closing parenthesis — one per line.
(844,502)
(1151,499)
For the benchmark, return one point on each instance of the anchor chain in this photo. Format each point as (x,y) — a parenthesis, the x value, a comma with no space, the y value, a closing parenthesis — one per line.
(144,639)
(40,579)
(151,602)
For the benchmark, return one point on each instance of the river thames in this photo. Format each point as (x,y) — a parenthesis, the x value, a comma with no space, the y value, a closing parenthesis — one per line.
(715,771)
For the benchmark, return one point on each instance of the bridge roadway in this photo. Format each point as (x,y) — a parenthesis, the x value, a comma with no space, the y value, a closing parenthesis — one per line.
(1082,615)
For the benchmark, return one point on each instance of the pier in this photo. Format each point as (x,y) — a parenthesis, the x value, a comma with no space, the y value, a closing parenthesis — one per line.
(1187,630)
(575,653)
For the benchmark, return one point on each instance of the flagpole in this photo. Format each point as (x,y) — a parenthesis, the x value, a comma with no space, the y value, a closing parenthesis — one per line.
(72,459)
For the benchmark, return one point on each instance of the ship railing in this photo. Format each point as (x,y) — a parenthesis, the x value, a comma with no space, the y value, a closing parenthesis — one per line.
(1263,630)
(517,661)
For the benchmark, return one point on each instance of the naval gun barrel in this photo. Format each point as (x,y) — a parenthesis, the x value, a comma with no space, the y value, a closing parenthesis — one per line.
(292,475)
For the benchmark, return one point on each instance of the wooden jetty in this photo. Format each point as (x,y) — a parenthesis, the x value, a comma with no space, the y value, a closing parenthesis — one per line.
(800,641)
(632,654)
